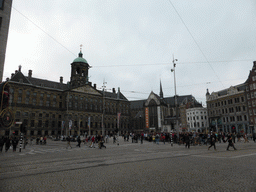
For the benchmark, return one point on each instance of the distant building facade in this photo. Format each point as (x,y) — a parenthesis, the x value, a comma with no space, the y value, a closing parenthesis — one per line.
(54,108)
(5,15)
(159,114)
(197,119)
(227,109)
(251,97)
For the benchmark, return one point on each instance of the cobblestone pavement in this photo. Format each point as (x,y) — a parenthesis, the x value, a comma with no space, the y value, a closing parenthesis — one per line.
(129,167)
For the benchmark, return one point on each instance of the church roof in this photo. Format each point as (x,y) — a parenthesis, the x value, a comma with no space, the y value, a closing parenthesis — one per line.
(112,95)
(168,100)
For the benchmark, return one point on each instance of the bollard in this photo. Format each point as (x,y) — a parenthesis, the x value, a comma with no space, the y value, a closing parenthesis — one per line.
(20,141)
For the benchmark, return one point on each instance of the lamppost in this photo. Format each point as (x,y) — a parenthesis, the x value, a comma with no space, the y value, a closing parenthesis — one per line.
(175,97)
(103,107)
(140,123)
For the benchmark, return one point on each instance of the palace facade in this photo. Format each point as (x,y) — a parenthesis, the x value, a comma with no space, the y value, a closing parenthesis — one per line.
(45,107)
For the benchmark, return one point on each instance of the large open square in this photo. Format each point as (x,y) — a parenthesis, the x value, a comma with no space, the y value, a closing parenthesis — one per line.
(129,167)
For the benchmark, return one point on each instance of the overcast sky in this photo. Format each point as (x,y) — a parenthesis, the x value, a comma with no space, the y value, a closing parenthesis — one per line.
(131,43)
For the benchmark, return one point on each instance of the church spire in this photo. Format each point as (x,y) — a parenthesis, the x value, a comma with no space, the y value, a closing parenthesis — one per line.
(161,91)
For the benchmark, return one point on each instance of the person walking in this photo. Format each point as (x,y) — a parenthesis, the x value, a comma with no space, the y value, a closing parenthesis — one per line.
(92,142)
(68,142)
(7,144)
(44,139)
(230,142)
(141,138)
(246,138)
(106,138)
(114,139)
(78,141)
(212,141)
(157,138)
(101,142)
(14,144)
(187,140)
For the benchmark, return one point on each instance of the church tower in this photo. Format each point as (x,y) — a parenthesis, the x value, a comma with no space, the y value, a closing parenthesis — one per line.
(79,71)
(161,91)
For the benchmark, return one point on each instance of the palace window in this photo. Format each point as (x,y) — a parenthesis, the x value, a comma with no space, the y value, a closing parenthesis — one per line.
(32,123)
(41,103)
(27,100)
(25,114)
(40,123)
(34,101)
(17,114)
(46,123)
(19,99)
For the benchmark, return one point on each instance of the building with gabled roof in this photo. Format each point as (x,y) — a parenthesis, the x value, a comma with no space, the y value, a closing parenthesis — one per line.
(158,113)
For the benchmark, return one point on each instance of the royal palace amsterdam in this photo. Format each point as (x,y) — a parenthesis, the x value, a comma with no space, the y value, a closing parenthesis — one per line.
(44,107)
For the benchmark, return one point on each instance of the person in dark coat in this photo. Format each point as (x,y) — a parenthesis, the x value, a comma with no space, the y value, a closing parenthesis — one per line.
(186,140)
(1,143)
(212,141)
(230,142)
(14,144)
(78,141)
(7,144)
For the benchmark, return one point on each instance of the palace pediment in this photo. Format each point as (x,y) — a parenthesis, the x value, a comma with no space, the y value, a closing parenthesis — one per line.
(87,89)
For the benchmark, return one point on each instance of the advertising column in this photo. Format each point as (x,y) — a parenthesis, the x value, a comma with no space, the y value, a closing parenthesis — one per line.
(159,117)
(147,117)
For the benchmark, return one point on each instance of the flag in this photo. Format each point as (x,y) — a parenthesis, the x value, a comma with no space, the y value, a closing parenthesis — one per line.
(70,124)
(63,124)
(89,122)
(118,119)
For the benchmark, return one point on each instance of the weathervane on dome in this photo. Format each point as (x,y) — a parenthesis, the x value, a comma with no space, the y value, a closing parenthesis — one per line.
(81,47)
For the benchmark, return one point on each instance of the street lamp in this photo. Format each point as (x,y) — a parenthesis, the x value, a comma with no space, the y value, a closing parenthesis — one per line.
(175,97)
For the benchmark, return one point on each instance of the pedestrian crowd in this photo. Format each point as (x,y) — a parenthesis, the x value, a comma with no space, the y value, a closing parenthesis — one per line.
(184,138)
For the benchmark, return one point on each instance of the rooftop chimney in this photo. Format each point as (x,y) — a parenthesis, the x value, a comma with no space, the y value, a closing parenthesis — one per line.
(12,75)
(114,90)
(94,85)
(29,73)
(19,68)
(61,79)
